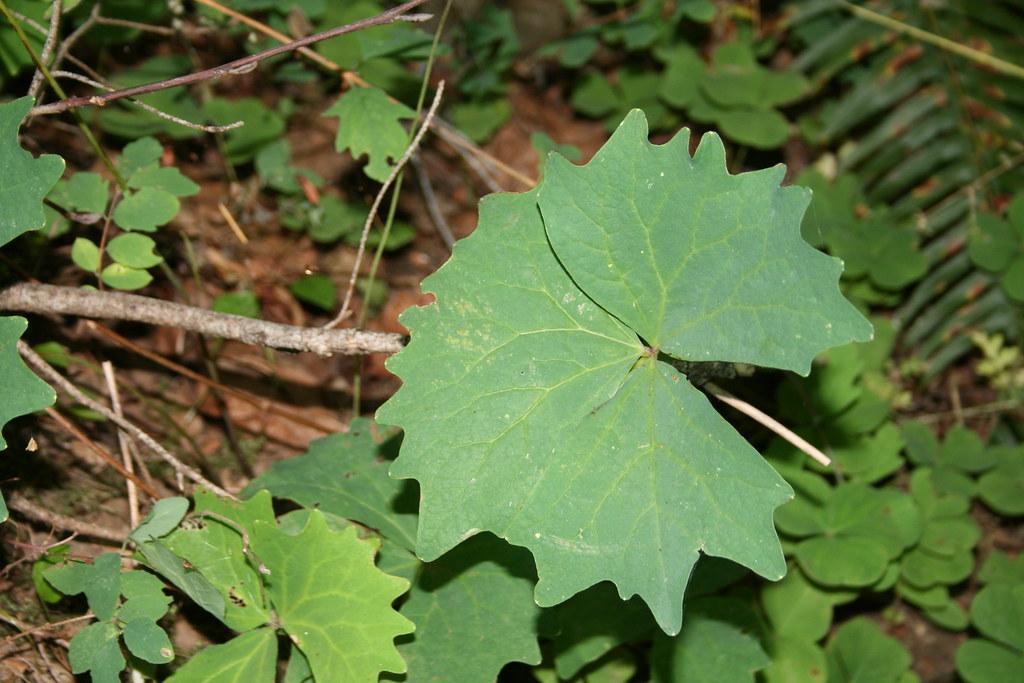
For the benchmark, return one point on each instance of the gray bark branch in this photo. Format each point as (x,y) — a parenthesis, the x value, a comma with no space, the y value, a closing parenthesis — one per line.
(39,298)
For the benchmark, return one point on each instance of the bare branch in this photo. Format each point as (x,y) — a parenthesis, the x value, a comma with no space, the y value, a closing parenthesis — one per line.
(51,40)
(399,165)
(38,513)
(148,107)
(37,298)
(50,375)
(238,66)
(769,422)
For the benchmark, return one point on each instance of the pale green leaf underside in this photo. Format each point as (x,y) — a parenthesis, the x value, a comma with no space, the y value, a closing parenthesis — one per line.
(703,265)
(24,180)
(539,420)
(249,658)
(331,599)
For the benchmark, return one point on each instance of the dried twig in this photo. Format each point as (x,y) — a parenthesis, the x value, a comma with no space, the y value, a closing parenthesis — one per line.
(463,145)
(124,442)
(51,375)
(769,422)
(238,66)
(51,40)
(38,298)
(430,199)
(396,169)
(38,513)
(148,107)
(101,452)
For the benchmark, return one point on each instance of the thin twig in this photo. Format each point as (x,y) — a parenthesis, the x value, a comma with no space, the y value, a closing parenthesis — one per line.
(261,403)
(983,58)
(148,107)
(51,40)
(38,513)
(471,158)
(51,375)
(395,170)
(430,199)
(136,25)
(46,627)
(443,129)
(76,35)
(237,66)
(39,298)
(769,422)
(101,452)
(124,442)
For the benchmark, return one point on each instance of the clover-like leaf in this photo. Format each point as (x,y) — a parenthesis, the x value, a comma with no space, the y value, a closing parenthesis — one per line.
(554,426)
(799,609)
(166,514)
(24,180)
(481,593)
(852,533)
(88,192)
(146,209)
(217,550)
(132,250)
(124,277)
(100,581)
(1002,488)
(369,123)
(332,600)
(95,649)
(146,640)
(346,475)
(249,658)
(860,653)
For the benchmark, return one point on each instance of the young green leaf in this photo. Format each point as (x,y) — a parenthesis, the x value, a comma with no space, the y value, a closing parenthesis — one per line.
(88,192)
(139,154)
(1002,488)
(217,550)
(238,303)
(332,600)
(359,487)
(132,250)
(85,254)
(165,516)
(120,276)
(146,209)
(147,641)
(181,573)
(166,178)
(249,658)
(369,124)
(24,180)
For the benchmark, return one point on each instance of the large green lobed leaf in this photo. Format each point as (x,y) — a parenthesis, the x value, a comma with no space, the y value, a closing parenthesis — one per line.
(703,265)
(24,180)
(532,410)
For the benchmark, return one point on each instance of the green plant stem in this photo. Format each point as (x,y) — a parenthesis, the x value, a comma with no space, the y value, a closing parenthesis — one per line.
(93,142)
(393,206)
(983,58)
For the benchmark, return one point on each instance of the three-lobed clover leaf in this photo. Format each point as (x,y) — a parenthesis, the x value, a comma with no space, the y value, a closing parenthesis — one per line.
(997,611)
(859,652)
(997,245)
(536,404)
(24,180)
